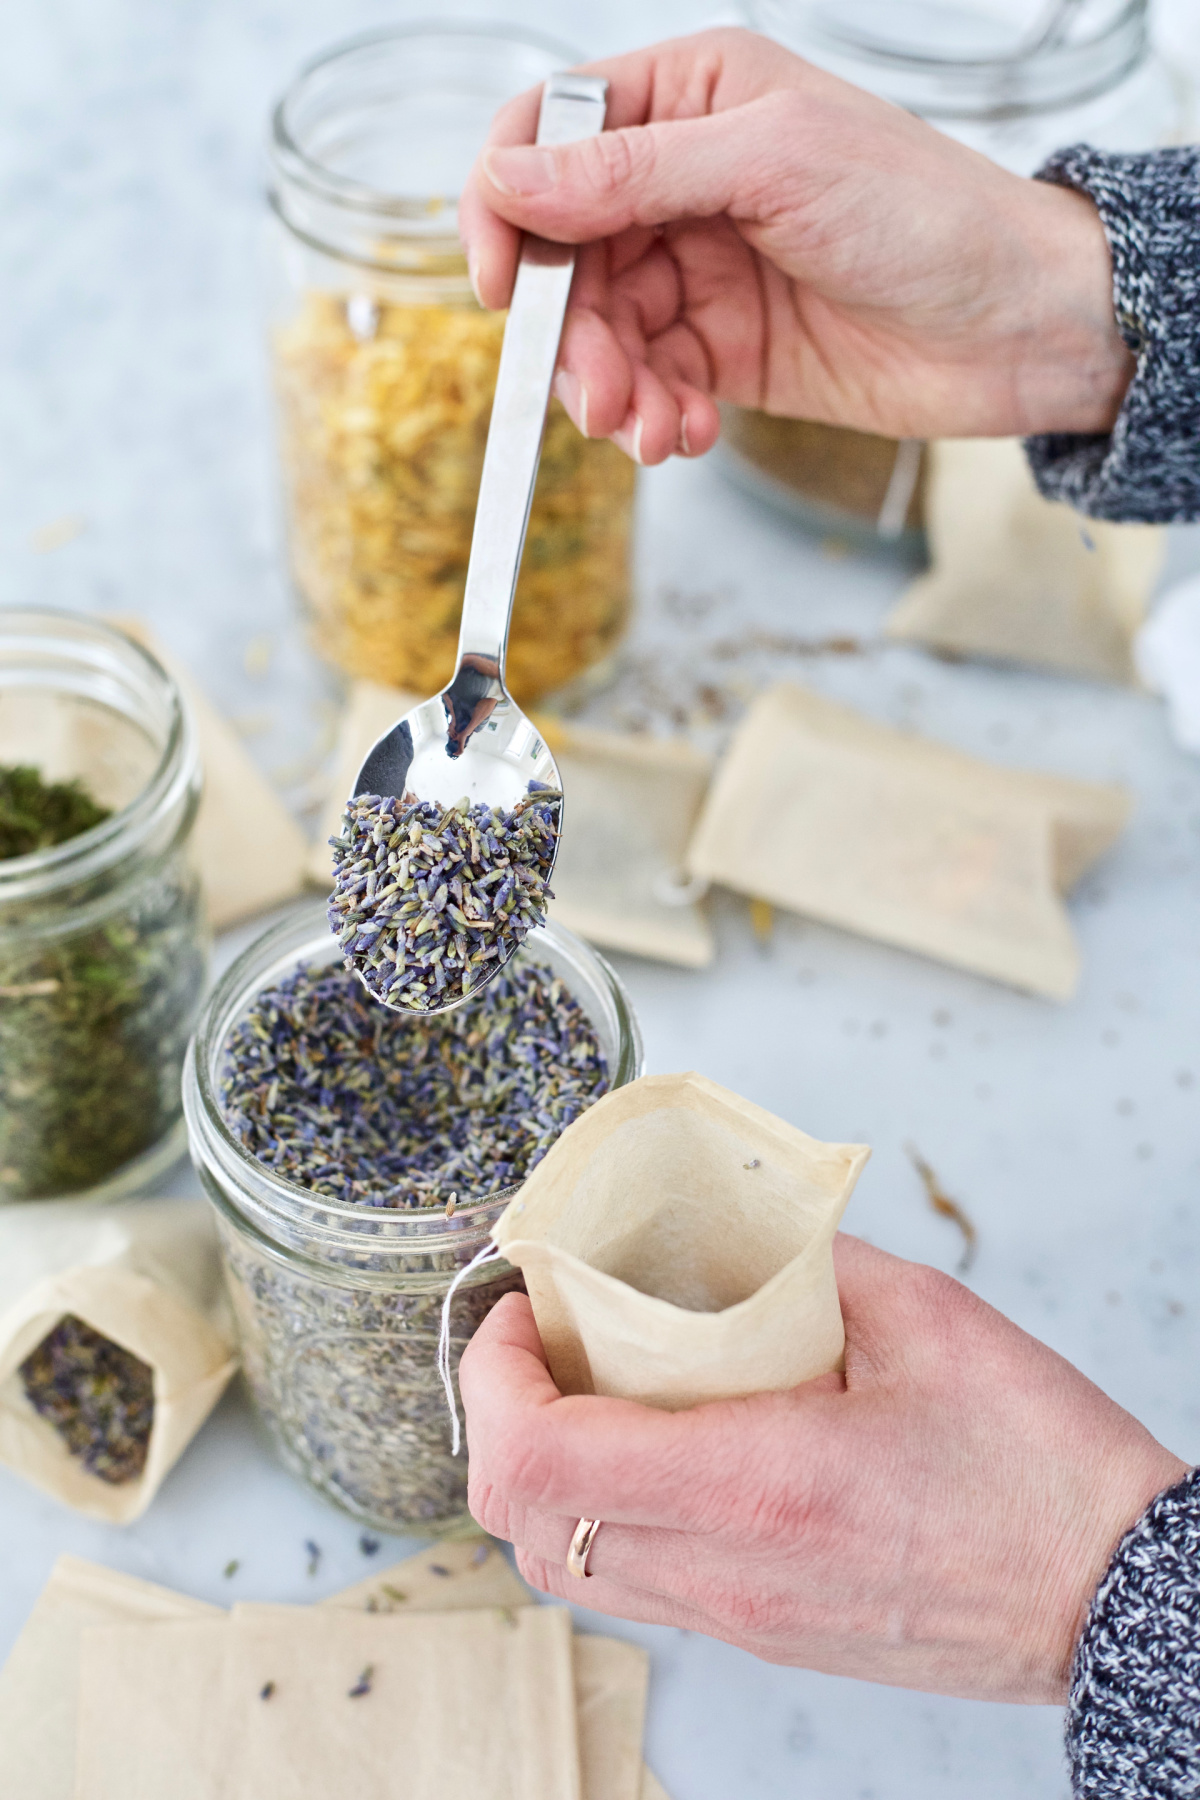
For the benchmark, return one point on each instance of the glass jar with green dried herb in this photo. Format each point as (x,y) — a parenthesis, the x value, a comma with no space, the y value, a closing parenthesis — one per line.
(103,945)
(357,1159)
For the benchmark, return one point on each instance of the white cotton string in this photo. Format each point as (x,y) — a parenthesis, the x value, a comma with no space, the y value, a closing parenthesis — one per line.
(489,1253)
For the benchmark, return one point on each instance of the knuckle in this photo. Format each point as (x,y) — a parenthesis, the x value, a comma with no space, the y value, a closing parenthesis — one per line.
(614,160)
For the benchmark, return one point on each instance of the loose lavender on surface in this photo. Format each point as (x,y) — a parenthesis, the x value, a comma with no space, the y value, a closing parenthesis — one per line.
(429,900)
(97,1394)
(366,1105)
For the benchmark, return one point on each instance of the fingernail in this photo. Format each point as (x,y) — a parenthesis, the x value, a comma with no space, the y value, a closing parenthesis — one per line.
(629,437)
(522,171)
(571,391)
(684,440)
(473,276)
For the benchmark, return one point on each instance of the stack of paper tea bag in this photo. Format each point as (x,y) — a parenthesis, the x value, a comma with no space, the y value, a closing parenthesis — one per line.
(439,1679)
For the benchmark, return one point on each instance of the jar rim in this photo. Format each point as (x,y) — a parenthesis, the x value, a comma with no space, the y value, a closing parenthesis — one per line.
(266,1197)
(42,872)
(295,163)
(1059,74)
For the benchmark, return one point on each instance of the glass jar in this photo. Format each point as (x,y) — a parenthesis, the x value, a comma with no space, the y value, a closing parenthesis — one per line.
(385,367)
(103,945)
(339,1306)
(1014,82)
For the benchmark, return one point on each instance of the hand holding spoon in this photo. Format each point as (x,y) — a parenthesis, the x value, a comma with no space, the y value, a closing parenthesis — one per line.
(451,830)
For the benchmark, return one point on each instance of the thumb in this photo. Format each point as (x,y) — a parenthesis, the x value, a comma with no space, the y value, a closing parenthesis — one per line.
(641,175)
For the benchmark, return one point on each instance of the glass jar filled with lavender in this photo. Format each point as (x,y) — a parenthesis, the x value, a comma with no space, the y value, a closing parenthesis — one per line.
(103,945)
(357,1159)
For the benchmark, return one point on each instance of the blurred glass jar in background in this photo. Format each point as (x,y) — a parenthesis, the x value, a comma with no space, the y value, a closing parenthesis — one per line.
(385,367)
(1016,80)
(103,941)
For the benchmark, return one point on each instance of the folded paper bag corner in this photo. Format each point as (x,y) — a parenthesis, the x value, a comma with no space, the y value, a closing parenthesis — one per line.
(677,1244)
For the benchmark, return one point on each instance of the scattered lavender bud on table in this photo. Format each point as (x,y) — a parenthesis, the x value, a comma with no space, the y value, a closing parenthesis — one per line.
(98,1396)
(429,901)
(265,1692)
(363,1684)
(314,1555)
(368,1545)
(231,1568)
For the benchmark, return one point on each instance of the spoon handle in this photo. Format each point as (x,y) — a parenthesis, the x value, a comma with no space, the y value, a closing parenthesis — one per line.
(572,108)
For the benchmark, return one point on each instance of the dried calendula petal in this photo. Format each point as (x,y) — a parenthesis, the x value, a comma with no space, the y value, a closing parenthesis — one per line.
(383,432)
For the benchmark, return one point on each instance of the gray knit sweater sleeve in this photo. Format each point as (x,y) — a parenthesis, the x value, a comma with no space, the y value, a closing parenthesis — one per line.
(1149,466)
(1133,1722)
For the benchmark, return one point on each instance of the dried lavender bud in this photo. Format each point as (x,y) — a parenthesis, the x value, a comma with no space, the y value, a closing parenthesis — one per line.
(362,1104)
(363,1684)
(368,1545)
(37,815)
(314,1555)
(267,1690)
(429,901)
(231,1568)
(97,1395)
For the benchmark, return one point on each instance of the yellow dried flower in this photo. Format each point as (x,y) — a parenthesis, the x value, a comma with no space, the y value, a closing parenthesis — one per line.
(383,430)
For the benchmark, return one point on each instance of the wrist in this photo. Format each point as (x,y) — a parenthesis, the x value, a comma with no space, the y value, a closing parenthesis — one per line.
(1078,367)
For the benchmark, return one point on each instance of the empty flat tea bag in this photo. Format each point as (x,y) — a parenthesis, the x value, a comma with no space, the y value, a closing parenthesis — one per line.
(1023,579)
(115,1345)
(39,1684)
(451,1578)
(464,1703)
(611,1679)
(631,803)
(676,1242)
(250,852)
(153,1716)
(822,811)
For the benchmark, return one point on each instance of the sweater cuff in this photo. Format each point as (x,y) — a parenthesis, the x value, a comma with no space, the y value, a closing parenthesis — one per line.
(1133,1719)
(1148,467)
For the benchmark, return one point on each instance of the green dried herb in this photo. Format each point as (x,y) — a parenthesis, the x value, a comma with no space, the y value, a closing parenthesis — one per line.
(94,1021)
(37,815)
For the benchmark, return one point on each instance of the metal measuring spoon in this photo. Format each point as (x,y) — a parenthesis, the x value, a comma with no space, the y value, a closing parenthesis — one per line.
(472,741)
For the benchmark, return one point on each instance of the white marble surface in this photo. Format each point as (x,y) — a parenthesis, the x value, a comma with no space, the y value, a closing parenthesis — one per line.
(134,404)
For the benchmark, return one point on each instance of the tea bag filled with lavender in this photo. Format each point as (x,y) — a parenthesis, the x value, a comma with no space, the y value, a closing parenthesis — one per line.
(822,811)
(115,1345)
(1022,579)
(677,1243)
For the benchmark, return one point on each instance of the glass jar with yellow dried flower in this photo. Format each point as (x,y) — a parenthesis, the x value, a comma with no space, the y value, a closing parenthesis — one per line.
(385,367)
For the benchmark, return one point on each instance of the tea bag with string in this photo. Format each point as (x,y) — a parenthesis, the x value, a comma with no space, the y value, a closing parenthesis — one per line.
(115,1344)
(677,1246)
(822,811)
(1023,579)
(631,803)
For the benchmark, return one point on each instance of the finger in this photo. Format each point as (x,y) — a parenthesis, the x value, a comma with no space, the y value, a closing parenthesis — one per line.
(491,243)
(611,1598)
(640,175)
(600,386)
(584,1456)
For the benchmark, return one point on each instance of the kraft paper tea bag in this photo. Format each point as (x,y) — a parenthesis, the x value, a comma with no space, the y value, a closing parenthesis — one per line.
(611,1677)
(249,850)
(1023,579)
(676,1243)
(611,1681)
(153,1716)
(39,1684)
(825,812)
(631,802)
(145,1276)
(450,1578)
